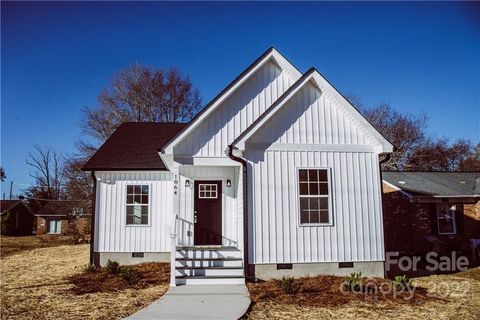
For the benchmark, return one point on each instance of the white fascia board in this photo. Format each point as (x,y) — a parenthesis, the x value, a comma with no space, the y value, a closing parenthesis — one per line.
(167,160)
(274,54)
(325,86)
(205,161)
(260,122)
(314,147)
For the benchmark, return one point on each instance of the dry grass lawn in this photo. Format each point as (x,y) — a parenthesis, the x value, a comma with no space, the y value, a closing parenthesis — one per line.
(10,245)
(446,297)
(39,284)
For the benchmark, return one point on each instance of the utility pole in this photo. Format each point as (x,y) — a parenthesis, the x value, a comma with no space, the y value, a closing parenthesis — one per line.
(11,186)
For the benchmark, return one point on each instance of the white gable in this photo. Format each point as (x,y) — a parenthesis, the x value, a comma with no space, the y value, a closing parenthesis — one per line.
(313,112)
(212,136)
(312,117)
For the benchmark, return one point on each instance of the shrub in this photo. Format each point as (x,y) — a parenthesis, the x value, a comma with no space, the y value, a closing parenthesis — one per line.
(288,284)
(129,274)
(89,267)
(353,282)
(402,283)
(112,267)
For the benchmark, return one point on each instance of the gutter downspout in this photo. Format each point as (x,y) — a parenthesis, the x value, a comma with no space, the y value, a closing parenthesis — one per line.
(387,157)
(249,268)
(92,226)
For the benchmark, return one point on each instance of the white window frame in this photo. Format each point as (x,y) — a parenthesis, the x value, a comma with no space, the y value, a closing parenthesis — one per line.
(449,206)
(58,224)
(330,197)
(207,184)
(149,205)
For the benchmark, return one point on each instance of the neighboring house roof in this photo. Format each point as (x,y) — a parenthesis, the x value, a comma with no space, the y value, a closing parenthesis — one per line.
(270,55)
(59,208)
(134,146)
(311,76)
(6,205)
(439,184)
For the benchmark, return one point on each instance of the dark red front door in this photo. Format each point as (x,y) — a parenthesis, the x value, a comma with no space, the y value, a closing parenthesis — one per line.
(208,213)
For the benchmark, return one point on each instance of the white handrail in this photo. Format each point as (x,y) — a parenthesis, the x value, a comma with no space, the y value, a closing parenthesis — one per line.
(173,252)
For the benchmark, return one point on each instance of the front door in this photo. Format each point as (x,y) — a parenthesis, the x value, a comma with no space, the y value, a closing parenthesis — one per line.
(208,213)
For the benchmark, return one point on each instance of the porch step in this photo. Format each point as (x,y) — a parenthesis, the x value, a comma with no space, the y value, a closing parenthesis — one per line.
(208,265)
(205,280)
(214,262)
(209,271)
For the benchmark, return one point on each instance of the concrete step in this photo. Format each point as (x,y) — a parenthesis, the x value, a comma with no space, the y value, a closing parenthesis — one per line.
(209,271)
(218,262)
(219,253)
(205,280)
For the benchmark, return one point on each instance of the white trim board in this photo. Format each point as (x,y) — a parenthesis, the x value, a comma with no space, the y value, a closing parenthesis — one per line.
(270,55)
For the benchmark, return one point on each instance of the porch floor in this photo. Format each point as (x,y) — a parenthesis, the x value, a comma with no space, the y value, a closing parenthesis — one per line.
(198,302)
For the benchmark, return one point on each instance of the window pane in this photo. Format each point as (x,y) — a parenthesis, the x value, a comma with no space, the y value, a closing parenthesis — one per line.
(137,211)
(144,210)
(130,210)
(313,188)
(144,189)
(313,175)
(144,219)
(313,203)
(137,199)
(129,189)
(324,203)
(304,189)
(314,216)
(324,216)
(129,199)
(304,217)
(303,203)
(303,175)
(202,187)
(137,189)
(129,219)
(324,188)
(445,225)
(323,175)
(145,199)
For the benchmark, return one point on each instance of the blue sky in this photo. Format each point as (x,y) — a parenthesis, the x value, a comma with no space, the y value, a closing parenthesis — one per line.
(56,57)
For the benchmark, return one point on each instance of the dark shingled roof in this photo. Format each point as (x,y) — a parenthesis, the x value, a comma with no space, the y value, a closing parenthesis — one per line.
(133,146)
(6,205)
(59,208)
(436,183)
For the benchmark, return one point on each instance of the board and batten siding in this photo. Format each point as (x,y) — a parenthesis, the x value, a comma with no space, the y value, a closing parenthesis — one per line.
(236,113)
(314,130)
(312,117)
(112,233)
(357,231)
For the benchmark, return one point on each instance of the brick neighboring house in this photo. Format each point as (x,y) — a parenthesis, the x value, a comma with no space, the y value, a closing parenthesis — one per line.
(60,217)
(432,211)
(16,218)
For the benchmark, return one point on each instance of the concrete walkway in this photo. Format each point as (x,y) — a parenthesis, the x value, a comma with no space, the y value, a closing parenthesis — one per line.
(198,302)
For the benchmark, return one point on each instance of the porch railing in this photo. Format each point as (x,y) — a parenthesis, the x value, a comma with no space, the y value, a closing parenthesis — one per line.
(173,252)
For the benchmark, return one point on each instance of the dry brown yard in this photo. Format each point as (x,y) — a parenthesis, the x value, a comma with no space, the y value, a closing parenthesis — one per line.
(454,296)
(11,245)
(41,284)
(50,282)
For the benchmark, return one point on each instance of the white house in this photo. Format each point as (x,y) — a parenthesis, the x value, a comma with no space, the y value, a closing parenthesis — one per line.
(279,174)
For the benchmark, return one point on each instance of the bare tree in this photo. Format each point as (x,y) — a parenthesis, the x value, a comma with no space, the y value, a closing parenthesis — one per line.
(47,173)
(3,176)
(406,132)
(440,155)
(140,93)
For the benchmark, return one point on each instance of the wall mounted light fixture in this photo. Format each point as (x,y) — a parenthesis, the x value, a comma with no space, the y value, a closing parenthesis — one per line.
(187,183)
(229,183)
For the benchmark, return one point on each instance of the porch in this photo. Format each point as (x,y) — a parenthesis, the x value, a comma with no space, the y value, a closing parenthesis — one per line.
(207,233)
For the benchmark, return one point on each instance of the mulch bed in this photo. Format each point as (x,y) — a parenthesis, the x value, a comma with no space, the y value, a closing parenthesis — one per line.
(327,291)
(99,280)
